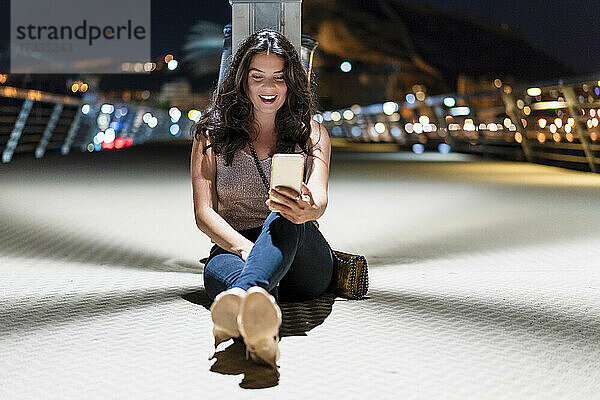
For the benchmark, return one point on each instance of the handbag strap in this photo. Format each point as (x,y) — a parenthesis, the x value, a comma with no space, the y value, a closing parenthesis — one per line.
(257,162)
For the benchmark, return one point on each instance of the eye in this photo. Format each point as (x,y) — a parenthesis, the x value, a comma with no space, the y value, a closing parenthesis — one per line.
(257,77)
(279,78)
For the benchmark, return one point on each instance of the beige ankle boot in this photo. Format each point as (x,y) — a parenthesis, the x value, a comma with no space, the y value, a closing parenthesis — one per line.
(224,312)
(258,322)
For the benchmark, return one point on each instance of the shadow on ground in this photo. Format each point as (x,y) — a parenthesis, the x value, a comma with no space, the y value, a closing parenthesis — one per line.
(20,237)
(297,319)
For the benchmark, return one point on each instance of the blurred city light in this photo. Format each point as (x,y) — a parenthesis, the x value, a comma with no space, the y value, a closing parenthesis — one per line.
(115,125)
(107,108)
(444,148)
(172,64)
(175,114)
(109,135)
(458,111)
(102,121)
(568,128)
(194,115)
(390,107)
(548,105)
(346,66)
(348,115)
(153,122)
(418,148)
(449,101)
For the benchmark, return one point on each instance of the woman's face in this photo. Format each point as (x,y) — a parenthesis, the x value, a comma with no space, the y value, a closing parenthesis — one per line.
(266,85)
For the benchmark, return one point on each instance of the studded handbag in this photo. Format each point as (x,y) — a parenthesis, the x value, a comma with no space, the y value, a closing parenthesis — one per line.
(350,277)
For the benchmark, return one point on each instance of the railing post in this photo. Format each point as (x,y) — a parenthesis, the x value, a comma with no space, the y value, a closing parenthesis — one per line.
(441,117)
(15,135)
(580,127)
(41,147)
(513,112)
(73,129)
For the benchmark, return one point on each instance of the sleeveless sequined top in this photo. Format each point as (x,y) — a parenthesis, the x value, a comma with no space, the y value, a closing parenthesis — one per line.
(241,194)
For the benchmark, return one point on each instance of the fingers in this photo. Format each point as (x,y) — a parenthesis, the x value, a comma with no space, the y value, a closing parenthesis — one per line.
(277,197)
(285,200)
(286,191)
(285,211)
(277,206)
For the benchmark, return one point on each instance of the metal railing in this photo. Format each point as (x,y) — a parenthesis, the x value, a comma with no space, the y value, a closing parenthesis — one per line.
(549,122)
(554,123)
(35,122)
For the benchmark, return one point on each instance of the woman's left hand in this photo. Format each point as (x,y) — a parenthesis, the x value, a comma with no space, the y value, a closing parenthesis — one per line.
(296,208)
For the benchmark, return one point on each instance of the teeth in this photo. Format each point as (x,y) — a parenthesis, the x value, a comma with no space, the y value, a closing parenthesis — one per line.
(268,97)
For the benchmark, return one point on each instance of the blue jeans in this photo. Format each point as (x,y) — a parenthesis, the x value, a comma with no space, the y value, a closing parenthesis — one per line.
(295,256)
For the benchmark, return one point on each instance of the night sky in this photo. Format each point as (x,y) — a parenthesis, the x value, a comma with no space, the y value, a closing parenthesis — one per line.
(569,30)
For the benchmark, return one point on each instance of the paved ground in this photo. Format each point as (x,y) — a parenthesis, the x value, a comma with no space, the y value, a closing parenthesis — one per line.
(484,284)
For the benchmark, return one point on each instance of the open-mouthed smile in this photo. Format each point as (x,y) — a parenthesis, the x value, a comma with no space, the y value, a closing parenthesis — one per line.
(268,99)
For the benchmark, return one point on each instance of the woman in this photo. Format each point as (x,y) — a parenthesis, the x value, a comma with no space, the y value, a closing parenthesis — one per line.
(263,106)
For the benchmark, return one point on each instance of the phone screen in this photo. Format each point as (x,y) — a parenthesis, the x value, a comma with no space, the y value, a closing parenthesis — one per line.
(287,170)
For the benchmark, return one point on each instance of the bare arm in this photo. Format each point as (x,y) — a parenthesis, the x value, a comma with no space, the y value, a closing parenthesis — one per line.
(203,170)
(318,175)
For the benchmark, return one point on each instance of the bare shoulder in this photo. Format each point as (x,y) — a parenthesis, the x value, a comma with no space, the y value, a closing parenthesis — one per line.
(202,163)
(319,137)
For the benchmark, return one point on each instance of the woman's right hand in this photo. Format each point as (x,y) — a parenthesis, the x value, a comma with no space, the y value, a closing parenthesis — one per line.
(244,252)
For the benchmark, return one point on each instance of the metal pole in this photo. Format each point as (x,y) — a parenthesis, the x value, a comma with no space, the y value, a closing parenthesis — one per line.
(249,16)
(15,135)
(513,112)
(73,129)
(580,127)
(41,147)
(442,124)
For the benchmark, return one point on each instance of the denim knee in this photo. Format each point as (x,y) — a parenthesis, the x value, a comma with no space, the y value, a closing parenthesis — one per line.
(275,222)
(212,284)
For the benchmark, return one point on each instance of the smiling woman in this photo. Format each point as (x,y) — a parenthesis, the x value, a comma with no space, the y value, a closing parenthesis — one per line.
(263,106)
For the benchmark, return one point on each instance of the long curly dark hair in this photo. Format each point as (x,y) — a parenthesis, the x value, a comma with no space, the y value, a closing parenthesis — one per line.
(228,120)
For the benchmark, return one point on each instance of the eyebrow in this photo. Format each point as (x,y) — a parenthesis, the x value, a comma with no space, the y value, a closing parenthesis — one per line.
(256,69)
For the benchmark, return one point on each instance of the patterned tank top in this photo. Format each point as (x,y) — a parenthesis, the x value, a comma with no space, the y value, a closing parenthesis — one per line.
(241,194)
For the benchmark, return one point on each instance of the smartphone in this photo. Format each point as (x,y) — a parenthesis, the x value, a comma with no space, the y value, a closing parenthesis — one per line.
(287,170)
